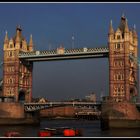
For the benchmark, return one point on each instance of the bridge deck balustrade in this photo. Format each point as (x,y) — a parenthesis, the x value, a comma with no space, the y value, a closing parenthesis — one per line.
(39,106)
(77,51)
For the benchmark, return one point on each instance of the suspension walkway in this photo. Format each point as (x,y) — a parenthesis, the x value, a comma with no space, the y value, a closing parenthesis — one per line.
(62,53)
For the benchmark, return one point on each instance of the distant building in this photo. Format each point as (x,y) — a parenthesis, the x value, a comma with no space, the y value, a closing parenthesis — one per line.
(40,100)
(91,97)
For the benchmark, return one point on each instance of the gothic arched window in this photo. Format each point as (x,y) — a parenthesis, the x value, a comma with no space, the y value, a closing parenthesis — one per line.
(118,37)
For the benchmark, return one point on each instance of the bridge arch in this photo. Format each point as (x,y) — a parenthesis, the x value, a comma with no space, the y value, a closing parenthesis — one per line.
(132,94)
(21,95)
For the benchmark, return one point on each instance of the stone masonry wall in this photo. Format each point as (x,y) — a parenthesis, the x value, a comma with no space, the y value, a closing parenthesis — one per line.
(122,110)
(67,111)
(11,110)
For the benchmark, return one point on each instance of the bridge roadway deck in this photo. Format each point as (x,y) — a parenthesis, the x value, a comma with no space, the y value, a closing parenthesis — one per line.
(64,54)
(39,106)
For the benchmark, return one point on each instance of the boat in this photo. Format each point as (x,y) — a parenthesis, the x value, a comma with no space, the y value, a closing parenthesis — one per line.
(71,132)
(12,134)
(46,132)
(60,132)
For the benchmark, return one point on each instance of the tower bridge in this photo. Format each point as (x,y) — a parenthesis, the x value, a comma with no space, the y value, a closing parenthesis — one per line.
(19,57)
(122,52)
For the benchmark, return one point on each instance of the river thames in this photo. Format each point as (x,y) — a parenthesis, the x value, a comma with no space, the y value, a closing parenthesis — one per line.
(90,128)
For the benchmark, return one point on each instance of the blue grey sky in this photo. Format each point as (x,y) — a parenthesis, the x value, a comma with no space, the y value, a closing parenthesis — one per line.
(54,23)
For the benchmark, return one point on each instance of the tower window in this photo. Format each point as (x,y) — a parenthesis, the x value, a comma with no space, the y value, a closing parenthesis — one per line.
(118,46)
(119,77)
(122,89)
(10,81)
(123,35)
(118,89)
(118,37)
(115,63)
(121,63)
(10,45)
(114,36)
(118,63)
(10,53)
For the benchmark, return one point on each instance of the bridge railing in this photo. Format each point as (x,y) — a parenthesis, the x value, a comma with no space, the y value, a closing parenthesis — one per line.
(64,52)
(57,103)
(39,106)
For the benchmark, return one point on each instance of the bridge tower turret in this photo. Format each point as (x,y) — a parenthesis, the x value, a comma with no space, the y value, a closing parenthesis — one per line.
(17,75)
(31,43)
(123,72)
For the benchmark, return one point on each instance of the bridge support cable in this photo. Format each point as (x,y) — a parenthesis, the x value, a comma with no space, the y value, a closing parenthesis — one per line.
(135,59)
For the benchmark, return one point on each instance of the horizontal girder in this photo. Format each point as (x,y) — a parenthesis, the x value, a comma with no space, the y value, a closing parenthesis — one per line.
(39,106)
(64,54)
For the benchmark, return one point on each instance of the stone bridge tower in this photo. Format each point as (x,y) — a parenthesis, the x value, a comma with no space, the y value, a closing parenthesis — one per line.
(17,75)
(123,72)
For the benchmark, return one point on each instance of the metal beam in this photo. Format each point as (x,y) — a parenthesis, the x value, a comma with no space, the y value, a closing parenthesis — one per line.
(82,53)
(39,106)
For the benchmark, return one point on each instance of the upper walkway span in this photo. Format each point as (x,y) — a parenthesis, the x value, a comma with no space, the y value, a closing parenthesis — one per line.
(62,53)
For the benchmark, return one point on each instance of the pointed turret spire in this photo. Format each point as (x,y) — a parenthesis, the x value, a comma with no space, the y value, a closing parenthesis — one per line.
(19,28)
(134,27)
(111,30)
(134,31)
(6,37)
(123,24)
(18,33)
(123,16)
(31,43)
(31,40)
(61,45)
(126,29)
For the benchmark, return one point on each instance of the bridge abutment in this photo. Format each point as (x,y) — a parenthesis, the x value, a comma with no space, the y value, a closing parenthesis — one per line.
(119,115)
(13,113)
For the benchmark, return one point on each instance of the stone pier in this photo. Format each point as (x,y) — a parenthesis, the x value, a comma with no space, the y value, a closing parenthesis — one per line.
(119,115)
(13,113)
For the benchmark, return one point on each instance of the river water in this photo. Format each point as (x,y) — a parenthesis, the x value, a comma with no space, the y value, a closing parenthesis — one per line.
(90,128)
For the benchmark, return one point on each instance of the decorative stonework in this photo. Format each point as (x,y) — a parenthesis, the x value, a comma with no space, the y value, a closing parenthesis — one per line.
(16,74)
(122,70)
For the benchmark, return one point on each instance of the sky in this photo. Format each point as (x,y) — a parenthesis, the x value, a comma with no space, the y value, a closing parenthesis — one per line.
(52,24)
